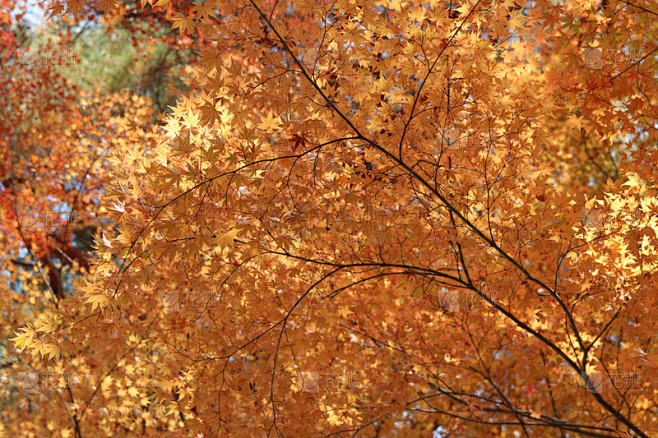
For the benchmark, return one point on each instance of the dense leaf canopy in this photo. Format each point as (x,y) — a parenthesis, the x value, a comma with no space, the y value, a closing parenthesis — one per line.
(361,218)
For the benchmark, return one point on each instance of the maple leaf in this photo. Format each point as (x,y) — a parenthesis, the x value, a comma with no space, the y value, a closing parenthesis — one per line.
(74,7)
(55,9)
(182,23)
(269,122)
(203,11)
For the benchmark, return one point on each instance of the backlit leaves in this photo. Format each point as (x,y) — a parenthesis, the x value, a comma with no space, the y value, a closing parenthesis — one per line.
(379,218)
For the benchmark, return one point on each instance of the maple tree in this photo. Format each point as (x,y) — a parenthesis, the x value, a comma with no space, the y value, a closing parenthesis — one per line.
(375,218)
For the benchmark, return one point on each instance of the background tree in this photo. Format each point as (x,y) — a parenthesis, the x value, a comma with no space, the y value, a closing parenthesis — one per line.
(55,139)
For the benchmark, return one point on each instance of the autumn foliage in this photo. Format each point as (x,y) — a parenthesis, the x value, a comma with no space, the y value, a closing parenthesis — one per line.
(365,218)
